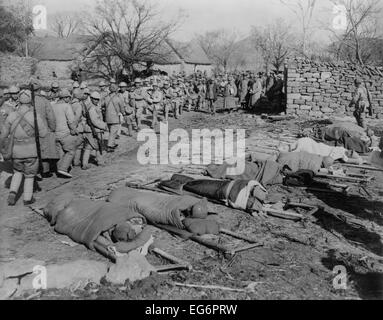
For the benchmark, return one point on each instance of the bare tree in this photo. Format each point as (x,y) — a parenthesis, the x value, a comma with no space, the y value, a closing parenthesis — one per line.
(303,10)
(358,40)
(128,32)
(219,46)
(274,42)
(64,24)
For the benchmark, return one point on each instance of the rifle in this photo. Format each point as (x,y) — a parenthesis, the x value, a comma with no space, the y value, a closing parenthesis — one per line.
(90,124)
(37,135)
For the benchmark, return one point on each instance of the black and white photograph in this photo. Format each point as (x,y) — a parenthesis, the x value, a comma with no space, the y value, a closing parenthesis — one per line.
(193,156)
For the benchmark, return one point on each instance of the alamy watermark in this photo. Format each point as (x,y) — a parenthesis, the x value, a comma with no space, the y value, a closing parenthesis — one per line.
(229,147)
(39,17)
(340,20)
(340,280)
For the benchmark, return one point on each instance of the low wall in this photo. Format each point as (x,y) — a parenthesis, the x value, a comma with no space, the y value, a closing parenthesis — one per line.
(316,89)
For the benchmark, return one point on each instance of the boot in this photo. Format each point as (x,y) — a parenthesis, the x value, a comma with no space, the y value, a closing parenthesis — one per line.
(12,199)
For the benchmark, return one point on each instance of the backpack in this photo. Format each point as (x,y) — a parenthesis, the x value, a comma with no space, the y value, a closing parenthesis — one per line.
(6,147)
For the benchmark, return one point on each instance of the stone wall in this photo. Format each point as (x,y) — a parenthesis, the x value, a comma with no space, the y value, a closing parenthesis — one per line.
(320,90)
(19,70)
(14,69)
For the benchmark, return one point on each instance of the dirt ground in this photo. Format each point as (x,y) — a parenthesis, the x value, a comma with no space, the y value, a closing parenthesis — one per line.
(296,260)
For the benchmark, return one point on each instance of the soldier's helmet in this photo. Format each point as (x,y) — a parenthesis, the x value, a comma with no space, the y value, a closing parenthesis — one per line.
(95,95)
(64,93)
(86,91)
(83,85)
(75,85)
(55,85)
(5,91)
(358,81)
(14,89)
(102,84)
(112,81)
(123,85)
(138,81)
(25,97)
(200,210)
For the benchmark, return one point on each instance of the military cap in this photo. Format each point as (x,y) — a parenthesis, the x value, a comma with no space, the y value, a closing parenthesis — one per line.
(95,95)
(64,93)
(358,81)
(55,85)
(122,84)
(36,84)
(138,80)
(83,85)
(25,97)
(86,91)
(112,81)
(102,84)
(5,91)
(75,85)
(14,89)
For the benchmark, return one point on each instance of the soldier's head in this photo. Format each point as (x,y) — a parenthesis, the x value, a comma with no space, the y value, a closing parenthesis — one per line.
(65,95)
(25,97)
(83,85)
(14,92)
(78,94)
(123,86)
(55,87)
(102,85)
(137,82)
(358,83)
(75,85)
(86,93)
(155,86)
(113,88)
(95,98)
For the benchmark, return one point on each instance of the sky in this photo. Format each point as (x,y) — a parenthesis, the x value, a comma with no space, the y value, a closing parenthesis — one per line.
(203,15)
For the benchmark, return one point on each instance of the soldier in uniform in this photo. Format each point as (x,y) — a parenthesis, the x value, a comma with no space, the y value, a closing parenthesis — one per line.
(155,101)
(167,101)
(9,105)
(49,152)
(76,104)
(95,118)
(53,94)
(361,103)
(113,108)
(138,99)
(24,153)
(211,95)
(176,99)
(128,115)
(66,132)
(278,93)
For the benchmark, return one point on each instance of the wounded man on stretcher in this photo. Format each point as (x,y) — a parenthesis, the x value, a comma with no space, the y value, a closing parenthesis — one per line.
(121,222)
(246,195)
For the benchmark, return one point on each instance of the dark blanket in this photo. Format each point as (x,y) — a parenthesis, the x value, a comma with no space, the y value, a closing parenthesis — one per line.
(265,172)
(84,220)
(155,207)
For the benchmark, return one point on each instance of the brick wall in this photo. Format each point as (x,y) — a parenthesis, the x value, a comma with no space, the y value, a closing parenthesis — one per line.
(316,89)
